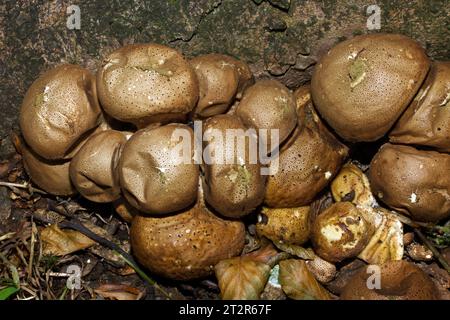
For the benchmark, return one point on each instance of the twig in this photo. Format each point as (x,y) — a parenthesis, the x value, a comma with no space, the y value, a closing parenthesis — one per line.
(21,186)
(433,249)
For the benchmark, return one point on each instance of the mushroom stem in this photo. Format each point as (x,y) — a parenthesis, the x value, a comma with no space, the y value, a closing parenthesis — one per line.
(433,249)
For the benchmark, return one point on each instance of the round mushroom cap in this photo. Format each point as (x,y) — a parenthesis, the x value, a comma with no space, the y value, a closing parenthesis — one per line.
(220,77)
(147,83)
(426,121)
(187,245)
(362,85)
(284,225)
(415,182)
(157,170)
(93,169)
(307,163)
(233,182)
(340,232)
(268,105)
(59,109)
(49,175)
(399,280)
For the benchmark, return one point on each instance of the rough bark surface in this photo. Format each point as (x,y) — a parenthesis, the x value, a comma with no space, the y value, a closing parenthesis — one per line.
(278,38)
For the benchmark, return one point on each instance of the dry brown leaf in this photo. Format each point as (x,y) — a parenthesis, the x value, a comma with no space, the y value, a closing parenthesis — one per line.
(61,242)
(119,292)
(300,252)
(264,254)
(299,283)
(241,278)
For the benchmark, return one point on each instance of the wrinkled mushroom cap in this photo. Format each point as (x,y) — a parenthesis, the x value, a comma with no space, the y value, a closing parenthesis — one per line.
(186,245)
(147,83)
(426,121)
(157,175)
(399,280)
(49,175)
(284,225)
(362,85)
(59,109)
(412,181)
(307,163)
(233,185)
(268,104)
(220,78)
(92,170)
(340,232)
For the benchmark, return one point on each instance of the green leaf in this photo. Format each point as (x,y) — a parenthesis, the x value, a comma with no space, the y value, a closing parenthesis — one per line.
(7,292)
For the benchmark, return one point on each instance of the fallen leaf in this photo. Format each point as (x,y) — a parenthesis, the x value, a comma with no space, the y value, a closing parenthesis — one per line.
(119,292)
(264,254)
(61,242)
(241,278)
(299,283)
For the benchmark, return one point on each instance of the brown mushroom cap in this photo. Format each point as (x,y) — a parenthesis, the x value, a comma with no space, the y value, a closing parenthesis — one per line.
(268,104)
(147,83)
(220,77)
(125,210)
(400,280)
(412,181)
(186,245)
(363,85)
(234,187)
(285,225)
(92,170)
(307,163)
(340,232)
(156,176)
(50,175)
(58,110)
(426,121)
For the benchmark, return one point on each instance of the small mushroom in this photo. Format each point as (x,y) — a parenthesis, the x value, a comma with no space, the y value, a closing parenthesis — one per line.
(425,122)
(268,105)
(352,185)
(362,85)
(412,181)
(233,183)
(50,175)
(186,245)
(147,83)
(157,170)
(398,280)
(93,169)
(285,225)
(307,163)
(220,78)
(59,110)
(340,232)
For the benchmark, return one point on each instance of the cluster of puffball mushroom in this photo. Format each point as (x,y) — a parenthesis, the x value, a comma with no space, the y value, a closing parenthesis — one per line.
(108,137)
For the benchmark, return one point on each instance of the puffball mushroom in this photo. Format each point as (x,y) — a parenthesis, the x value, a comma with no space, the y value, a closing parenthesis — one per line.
(306,164)
(340,232)
(233,184)
(59,109)
(426,121)
(268,105)
(157,173)
(285,225)
(220,78)
(415,182)
(186,245)
(399,280)
(93,169)
(50,175)
(362,85)
(147,83)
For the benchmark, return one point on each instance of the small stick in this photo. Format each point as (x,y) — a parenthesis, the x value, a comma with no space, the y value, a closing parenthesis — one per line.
(433,249)
(21,186)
